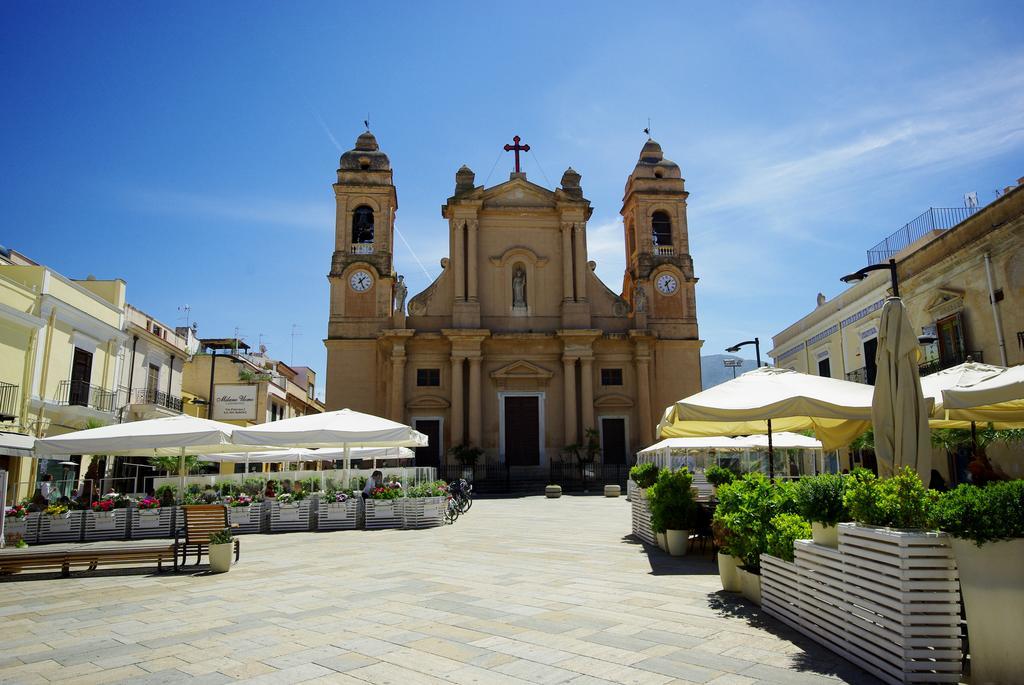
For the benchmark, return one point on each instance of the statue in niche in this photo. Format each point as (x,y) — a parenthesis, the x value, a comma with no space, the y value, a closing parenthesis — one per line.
(639,299)
(401,290)
(519,286)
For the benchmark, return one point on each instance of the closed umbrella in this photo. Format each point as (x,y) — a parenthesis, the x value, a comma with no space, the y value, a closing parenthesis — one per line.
(899,411)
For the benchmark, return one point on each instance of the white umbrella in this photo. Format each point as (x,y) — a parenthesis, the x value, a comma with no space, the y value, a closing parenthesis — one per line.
(171,436)
(999,399)
(344,428)
(899,410)
(783,440)
(303,454)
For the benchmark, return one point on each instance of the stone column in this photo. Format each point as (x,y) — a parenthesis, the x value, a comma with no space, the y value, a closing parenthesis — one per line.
(398,384)
(475,409)
(567,279)
(472,260)
(458,262)
(581,262)
(458,432)
(569,377)
(643,391)
(587,392)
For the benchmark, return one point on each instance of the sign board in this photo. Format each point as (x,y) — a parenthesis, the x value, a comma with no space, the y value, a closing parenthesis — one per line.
(234,402)
(729,363)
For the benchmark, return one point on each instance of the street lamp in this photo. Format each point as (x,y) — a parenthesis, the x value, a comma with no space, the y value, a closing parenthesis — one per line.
(863,273)
(756,342)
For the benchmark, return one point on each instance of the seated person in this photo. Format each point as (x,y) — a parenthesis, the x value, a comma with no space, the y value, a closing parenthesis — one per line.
(375,480)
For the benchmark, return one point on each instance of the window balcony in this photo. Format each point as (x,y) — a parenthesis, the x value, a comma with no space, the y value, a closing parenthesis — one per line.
(8,401)
(84,394)
(157,398)
(362,248)
(664,250)
(948,361)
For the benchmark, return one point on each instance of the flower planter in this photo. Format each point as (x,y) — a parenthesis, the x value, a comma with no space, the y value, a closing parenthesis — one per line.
(728,567)
(383,513)
(780,586)
(662,541)
(66,528)
(825,535)
(339,515)
(641,515)
(254,518)
(992,582)
(220,557)
(152,523)
(422,512)
(677,542)
(105,525)
(26,528)
(750,586)
(296,516)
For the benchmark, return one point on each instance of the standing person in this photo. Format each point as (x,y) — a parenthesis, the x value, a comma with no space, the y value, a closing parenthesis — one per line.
(46,489)
(372,483)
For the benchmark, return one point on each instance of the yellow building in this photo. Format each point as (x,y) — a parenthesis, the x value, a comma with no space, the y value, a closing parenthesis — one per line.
(517,347)
(61,341)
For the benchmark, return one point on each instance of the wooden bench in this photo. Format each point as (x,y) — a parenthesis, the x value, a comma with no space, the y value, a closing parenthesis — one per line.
(201,521)
(88,555)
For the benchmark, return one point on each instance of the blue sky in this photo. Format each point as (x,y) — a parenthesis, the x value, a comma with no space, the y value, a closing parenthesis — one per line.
(189,148)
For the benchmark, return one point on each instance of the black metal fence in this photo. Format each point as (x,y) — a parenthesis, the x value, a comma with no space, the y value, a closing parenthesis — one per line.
(83,394)
(8,401)
(153,396)
(948,361)
(936,218)
(587,477)
(503,479)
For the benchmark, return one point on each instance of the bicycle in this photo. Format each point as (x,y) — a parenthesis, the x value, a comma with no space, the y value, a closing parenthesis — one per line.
(462,494)
(451,510)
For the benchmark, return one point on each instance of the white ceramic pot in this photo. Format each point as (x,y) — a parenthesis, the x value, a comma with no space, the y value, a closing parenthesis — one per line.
(677,542)
(220,557)
(826,536)
(750,586)
(662,541)
(728,571)
(993,590)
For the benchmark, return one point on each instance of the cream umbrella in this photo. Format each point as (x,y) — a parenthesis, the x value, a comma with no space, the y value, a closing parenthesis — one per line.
(899,410)
(999,399)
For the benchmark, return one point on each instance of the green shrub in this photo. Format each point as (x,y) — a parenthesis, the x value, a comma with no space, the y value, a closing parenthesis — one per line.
(784,530)
(221,537)
(982,514)
(436,488)
(820,498)
(253,487)
(644,475)
(671,501)
(719,475)
(745,510)
(901,501)
(166,494)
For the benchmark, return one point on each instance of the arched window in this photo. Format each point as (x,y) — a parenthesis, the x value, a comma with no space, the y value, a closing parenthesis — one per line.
(661,226)
(362,225)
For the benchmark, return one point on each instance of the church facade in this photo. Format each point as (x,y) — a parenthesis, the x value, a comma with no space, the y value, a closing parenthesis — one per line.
(517,348)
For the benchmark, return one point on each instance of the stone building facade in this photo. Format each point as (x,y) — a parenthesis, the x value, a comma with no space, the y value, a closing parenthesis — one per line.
(517,347)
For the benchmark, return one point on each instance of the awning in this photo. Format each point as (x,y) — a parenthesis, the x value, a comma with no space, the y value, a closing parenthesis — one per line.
(16,444)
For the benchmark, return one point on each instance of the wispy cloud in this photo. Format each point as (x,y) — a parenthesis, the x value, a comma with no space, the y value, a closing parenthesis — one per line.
(317,216)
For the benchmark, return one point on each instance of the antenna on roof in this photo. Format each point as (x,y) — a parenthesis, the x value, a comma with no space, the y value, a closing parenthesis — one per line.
(187,308)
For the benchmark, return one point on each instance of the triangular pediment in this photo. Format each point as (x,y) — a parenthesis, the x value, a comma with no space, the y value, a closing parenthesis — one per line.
(945,298)
(518,193)
(521,369)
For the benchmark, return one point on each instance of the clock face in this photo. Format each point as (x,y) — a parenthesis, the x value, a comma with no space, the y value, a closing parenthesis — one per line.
(360,281)
(667,284)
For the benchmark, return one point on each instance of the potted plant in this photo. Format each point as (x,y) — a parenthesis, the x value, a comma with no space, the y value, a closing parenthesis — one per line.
(467,455)
(820,500)
(19,523)
(901,501)
(673,506)
(338,510)
(221,544)
(644,475)
(718,475)
(728,563)
(784,530)
(987,529)
(424,504)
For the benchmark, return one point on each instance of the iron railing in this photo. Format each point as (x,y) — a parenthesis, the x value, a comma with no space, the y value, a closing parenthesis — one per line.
(8,401)
(858,376)
(84,394)
(161,399)
(584,477)
(935,219)
(950,360)
(362,248)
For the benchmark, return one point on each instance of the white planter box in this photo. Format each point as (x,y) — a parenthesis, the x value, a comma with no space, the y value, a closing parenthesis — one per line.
(887,600)
(67,528)
(423,512)
(27,528)
(641,516)
(152,523)
(339,516)
(106,525)
(383,513)
(293,517)
(254,518)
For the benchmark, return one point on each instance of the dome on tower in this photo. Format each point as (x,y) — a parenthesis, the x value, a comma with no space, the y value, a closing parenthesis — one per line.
(652,163)
(365,156)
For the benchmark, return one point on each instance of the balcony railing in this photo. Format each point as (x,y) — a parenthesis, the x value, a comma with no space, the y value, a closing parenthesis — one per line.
(362,248)
(936,365)
(161,399)
(8,401)
(83,394)
(935,219)
(858,376)
(664,250)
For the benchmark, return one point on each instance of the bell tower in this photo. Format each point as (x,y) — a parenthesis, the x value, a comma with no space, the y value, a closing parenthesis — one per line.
(659,283)
(361,276)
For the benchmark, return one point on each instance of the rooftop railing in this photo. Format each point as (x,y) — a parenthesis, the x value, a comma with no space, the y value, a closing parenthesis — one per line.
(935,219)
